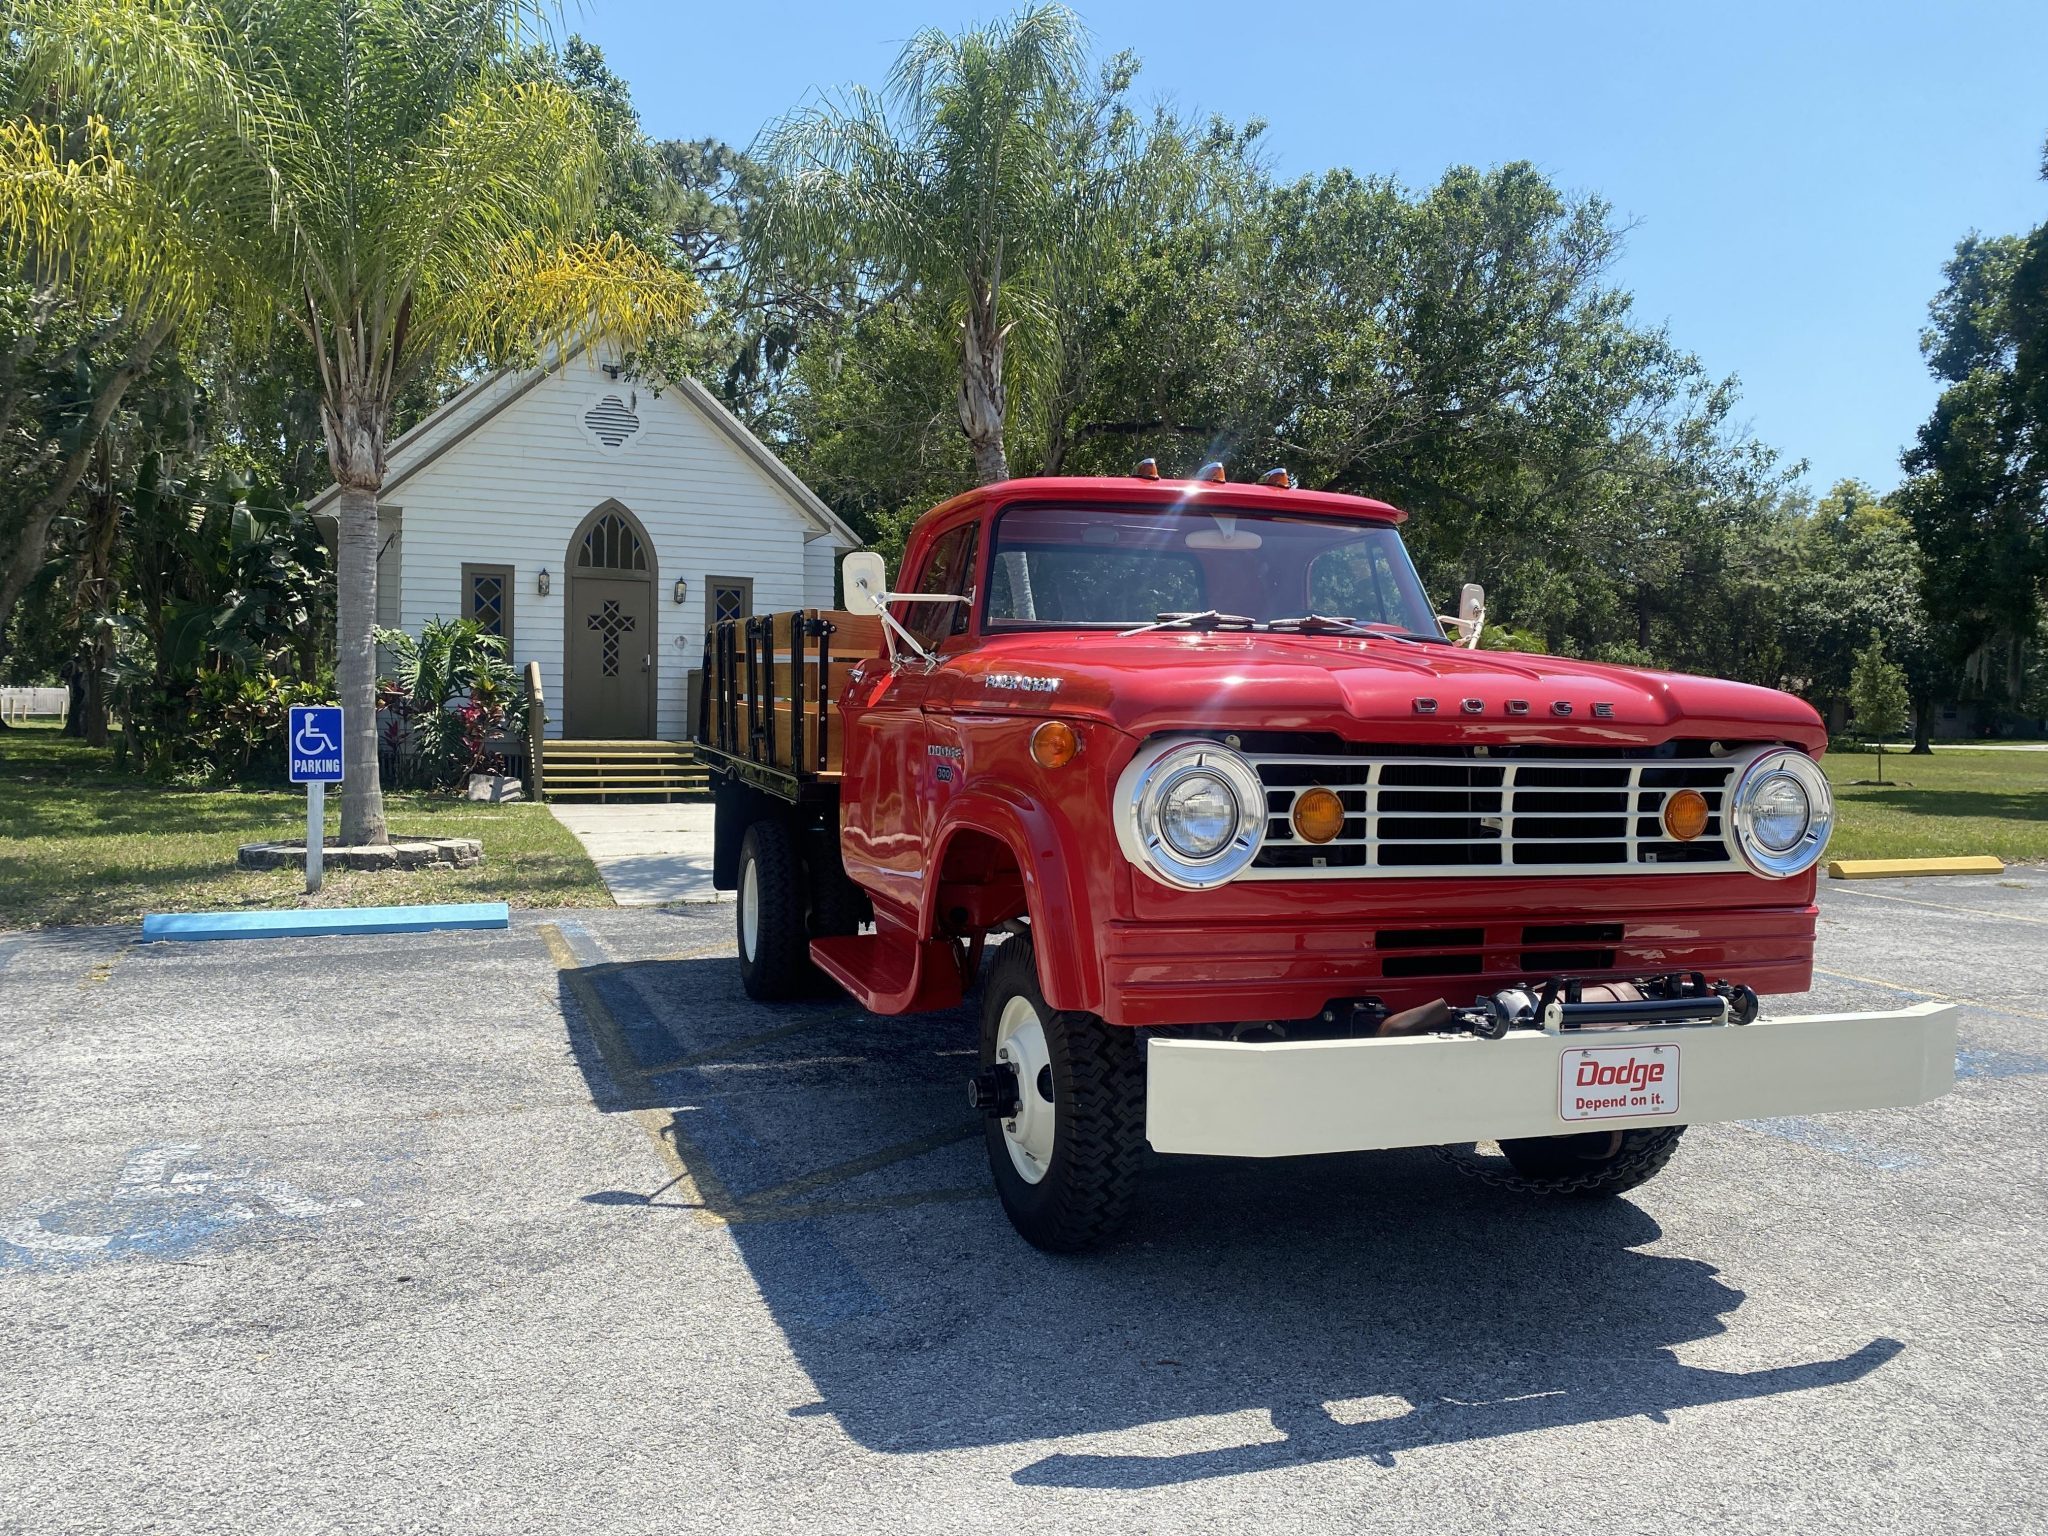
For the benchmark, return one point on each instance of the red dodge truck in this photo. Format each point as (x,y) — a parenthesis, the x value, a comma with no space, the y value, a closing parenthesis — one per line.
(1281,862)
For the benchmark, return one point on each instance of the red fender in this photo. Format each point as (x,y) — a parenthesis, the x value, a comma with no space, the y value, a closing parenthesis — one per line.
(1057,897)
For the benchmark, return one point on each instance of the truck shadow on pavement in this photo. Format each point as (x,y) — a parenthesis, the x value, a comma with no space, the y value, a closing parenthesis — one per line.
(1256,1315)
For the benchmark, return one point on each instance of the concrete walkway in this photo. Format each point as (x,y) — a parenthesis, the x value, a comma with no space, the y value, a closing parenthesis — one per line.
(647,854)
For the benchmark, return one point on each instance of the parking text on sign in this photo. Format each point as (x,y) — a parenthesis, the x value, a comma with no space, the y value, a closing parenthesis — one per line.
(313,748)
(1618,1082)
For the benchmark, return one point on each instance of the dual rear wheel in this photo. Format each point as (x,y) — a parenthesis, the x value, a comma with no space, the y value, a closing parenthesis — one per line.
(783,902)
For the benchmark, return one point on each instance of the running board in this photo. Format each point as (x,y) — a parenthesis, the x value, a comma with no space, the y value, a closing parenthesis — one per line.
(889,972)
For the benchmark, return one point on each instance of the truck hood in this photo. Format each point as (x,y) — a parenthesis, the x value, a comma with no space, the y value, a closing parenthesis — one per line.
(1358,689)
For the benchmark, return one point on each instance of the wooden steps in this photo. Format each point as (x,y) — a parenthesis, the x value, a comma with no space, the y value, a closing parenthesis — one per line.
(622,770)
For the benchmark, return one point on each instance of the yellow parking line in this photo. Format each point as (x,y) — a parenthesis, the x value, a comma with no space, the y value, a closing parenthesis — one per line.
(663,1127)
(853,1168)
(1939,997)
(699,954)
(822,1209)
(691,1174)
(1941,906)
(745,1043)
(558,948)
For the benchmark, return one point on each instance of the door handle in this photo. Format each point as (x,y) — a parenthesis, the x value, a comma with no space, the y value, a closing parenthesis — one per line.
(646,663)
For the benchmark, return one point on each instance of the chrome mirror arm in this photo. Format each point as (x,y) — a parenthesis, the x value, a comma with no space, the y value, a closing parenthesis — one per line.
(893,631)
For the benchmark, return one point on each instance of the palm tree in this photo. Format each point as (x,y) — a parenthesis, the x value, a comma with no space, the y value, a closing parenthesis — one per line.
(951,181)
(388,175)
(69,185)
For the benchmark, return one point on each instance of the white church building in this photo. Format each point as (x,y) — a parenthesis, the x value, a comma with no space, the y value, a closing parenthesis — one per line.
(600,525)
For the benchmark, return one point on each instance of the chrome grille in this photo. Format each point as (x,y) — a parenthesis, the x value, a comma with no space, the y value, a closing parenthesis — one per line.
(1530,813)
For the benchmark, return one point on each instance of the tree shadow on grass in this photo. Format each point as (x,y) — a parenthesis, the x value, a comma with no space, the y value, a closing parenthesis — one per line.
(1986,804)
(1259,1314)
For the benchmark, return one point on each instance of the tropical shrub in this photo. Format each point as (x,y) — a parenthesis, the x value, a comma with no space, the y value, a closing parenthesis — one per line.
(448,699)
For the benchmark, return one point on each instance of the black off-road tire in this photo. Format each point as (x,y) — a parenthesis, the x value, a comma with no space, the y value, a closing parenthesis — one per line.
(1593,1164)
(1098,1090)
(777,966)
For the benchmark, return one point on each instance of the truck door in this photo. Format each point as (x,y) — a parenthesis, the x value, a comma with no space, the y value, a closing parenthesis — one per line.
(894,779)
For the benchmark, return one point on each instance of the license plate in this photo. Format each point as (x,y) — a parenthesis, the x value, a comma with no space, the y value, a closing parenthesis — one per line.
(1614,1082)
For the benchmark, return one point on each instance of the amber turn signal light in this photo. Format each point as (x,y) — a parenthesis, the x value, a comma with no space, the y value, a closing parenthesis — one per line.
(1054,744)
(1318,815)
(1685,815)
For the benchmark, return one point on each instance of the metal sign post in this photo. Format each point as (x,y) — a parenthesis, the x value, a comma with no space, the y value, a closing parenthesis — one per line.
(315,757)
(316,833)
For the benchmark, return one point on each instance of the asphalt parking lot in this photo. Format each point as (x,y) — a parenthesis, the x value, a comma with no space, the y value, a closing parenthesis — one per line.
(552,1229)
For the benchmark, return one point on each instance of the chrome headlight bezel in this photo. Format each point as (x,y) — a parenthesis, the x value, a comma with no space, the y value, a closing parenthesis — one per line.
(1142,789)
(1781,763)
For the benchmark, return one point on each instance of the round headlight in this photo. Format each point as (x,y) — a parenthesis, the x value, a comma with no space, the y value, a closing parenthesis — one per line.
(1190,813)
(1783,812)
(1198,814)
(1779,813)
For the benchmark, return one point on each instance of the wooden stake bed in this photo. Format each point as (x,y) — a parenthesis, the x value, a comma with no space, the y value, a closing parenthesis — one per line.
(772,685)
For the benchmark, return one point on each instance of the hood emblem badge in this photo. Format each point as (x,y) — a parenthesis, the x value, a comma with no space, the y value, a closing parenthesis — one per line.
(1561,707)
(1020,682)
(1518,706)
(1472,706)
(1425,706)
(1604,711)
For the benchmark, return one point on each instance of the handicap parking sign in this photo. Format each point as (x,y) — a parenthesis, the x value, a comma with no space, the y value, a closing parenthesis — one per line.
(316,744)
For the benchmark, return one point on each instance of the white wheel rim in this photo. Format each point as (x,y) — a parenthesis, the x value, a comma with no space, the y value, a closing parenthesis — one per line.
(750,911)
(1030,1133)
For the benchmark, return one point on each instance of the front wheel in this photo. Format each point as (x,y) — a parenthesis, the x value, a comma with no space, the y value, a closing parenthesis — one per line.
(1065,1159)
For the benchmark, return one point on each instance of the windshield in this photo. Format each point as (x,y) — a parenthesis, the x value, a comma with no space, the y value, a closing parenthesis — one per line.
(1100,567)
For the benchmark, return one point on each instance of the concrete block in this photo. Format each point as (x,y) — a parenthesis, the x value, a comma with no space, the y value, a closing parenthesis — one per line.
(1885,869)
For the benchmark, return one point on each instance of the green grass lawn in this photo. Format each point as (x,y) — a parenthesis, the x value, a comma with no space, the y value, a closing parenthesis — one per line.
(1952,802)
(80,843)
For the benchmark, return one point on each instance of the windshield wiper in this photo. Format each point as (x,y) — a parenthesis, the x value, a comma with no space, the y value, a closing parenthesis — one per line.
(1330,624)
(1207,619)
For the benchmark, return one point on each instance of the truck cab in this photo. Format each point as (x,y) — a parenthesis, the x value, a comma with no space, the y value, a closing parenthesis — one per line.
(1249,824)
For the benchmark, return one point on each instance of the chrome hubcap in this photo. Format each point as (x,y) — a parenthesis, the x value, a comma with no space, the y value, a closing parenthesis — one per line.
(1030,1133)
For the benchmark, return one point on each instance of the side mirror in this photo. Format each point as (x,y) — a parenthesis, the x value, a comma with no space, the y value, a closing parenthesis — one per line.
(864,576)
(1471,603)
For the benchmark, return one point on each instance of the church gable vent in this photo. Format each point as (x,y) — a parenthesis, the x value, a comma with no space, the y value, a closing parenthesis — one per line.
(611,421)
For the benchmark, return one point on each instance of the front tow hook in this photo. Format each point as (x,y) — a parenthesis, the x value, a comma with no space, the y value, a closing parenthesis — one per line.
(994,1091)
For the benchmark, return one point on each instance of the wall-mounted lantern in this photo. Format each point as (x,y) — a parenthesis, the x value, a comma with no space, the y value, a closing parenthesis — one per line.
(682,589)
(544,581)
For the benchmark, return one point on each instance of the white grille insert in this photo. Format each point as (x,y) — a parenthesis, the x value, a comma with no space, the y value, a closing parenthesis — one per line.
(1530,813)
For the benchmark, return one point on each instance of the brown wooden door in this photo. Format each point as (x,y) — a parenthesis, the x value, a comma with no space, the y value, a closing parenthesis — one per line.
(610,691)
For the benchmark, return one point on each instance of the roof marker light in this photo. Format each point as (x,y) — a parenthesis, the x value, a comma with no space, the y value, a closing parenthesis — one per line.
(1278,475)
(1211,472)
(1148,469)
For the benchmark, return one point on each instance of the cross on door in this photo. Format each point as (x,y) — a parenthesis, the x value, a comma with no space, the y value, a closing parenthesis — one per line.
(610,623)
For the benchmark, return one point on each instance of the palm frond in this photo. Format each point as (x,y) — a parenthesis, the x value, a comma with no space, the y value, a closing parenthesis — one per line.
(87,221)
(528,296)
(509,160)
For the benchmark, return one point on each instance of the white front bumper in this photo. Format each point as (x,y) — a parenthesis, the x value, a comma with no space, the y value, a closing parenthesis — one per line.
(1281,1099)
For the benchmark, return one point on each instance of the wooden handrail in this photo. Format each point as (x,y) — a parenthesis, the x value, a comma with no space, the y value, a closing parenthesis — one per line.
(536,732)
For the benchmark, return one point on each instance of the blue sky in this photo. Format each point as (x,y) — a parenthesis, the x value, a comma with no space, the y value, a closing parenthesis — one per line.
(1797,172)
